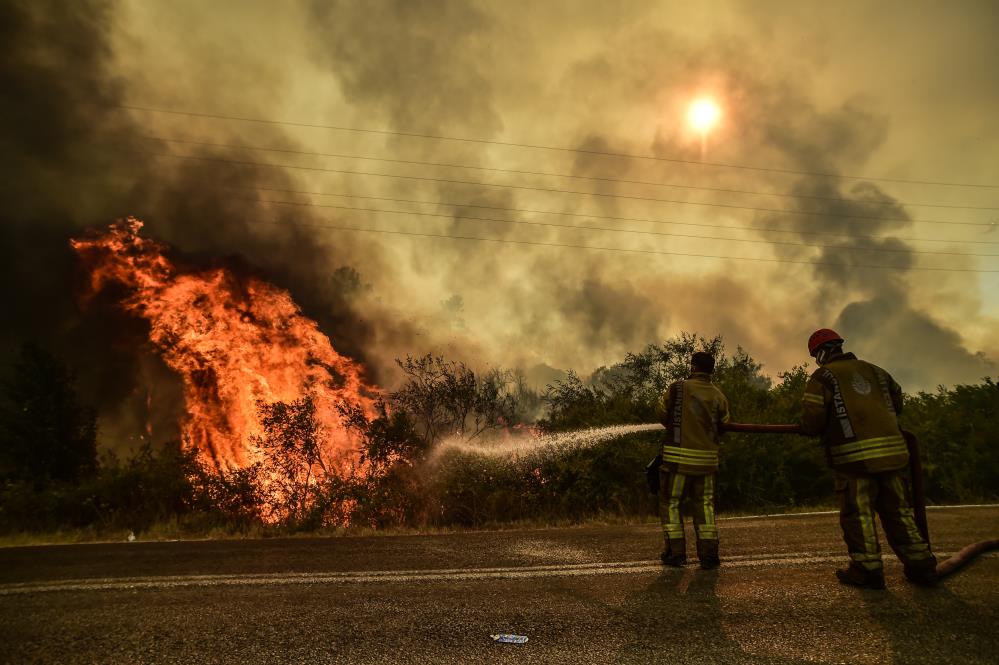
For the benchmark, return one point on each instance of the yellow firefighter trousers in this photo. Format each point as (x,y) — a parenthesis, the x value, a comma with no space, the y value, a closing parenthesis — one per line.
(887,493)
(699,493)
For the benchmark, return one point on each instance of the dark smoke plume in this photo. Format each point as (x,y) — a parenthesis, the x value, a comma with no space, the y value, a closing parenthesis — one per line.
(594,76)
(441,68)
(75,160)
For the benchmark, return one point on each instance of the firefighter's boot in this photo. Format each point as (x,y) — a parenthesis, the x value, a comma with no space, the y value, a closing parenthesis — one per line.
(674,561)
(707,552)
(675,554)
(861,577)
(922,573)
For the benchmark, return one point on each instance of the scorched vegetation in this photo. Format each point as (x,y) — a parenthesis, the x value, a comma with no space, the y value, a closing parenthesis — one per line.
(451,446)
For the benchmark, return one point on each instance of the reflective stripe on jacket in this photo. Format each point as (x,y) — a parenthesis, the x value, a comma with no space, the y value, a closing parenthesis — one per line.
(854,406)
(690,456)
(692,411)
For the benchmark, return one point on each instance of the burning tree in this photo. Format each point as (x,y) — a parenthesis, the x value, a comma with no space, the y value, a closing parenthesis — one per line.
(237,342)
(292,443)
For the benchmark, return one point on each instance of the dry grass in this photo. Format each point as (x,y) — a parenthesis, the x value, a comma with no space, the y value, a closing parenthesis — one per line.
(185,530)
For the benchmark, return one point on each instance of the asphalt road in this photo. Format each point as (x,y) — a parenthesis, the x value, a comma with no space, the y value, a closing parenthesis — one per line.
(581,595)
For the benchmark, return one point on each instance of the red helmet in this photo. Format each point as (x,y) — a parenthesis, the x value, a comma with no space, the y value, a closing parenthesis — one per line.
(820,337)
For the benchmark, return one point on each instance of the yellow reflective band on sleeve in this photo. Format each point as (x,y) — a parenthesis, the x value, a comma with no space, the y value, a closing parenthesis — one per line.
(812,398)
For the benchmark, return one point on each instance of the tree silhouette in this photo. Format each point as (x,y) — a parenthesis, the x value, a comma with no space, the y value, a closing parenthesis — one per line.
(46,435)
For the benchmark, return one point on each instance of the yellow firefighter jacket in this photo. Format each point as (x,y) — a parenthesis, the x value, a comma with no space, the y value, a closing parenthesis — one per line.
(692,412)
(853,405)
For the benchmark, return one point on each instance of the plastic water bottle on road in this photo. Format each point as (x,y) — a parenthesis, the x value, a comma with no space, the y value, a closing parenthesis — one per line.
(509,639)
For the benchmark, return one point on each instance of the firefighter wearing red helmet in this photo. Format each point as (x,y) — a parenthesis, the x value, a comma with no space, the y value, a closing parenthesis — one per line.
(692,411)
(854,406)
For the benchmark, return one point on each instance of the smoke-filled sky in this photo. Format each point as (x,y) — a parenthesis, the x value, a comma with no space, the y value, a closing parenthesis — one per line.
(889,91)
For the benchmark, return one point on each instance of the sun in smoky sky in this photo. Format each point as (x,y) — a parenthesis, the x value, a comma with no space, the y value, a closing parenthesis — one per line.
(703,114)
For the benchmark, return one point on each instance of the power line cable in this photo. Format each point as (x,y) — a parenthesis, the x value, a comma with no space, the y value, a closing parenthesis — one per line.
(594,216)
(611,229)
(557,191)
(148,109)
(616,249)
(840,199)
(609,217)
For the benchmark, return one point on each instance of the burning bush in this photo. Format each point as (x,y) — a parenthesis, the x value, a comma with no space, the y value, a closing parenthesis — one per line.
(280,429)
(236,342)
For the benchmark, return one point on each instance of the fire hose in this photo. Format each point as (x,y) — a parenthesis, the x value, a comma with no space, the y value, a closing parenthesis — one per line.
(964,556)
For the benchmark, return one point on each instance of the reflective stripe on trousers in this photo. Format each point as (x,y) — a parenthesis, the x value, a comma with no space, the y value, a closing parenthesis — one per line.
(700,490)
(673,522)
(887,493)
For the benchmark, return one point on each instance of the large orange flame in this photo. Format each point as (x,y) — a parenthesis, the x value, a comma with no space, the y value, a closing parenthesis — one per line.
(235,342)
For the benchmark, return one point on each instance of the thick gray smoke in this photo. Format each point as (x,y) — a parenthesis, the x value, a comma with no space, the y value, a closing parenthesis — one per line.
(442,70)
(56,132)
(74,160)
(599,77)
(870,306)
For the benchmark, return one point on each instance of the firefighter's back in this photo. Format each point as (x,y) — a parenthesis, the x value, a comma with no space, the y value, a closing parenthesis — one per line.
(698,407)
(862,433)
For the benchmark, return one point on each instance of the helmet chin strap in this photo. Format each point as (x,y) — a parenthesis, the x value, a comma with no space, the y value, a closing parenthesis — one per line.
(826,351)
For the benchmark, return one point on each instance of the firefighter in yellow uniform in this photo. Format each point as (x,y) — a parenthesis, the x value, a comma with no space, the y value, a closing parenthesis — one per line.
(692,411)
(854,406)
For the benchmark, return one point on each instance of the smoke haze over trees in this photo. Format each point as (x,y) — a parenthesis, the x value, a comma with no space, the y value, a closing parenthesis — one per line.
(437,453)
(579,75)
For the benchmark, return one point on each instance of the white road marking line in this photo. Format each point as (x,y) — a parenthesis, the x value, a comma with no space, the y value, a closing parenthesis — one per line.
(758,517)
(836,512)
(740,517)
(396,576)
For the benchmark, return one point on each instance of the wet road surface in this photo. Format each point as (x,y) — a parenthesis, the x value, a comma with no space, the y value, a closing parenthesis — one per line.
(582,595)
